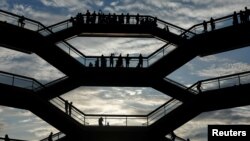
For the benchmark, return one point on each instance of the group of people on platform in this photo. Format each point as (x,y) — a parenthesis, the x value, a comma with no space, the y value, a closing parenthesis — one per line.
(243,18)
(101,18)
(119,61)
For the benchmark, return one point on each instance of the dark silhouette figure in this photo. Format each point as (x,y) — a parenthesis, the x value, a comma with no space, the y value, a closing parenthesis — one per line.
(188,139)
(119,62)
(235,18)
(88,17)
(79,19)
(66,107)
(50,137)
(140,63)
(97,62)
(166,28)
(173,136)
(72,20)
(199,87)
(247,13)
(204,26)
(127,59)
(137,18)
(90,65)
(70,108)
(212,24)
(21,21)
(127,18)
(100,120)
(6,138)
(111,60)
(242,17)
(103,62)
(93,18)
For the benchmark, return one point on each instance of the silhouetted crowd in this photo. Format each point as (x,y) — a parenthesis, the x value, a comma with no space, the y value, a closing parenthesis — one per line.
(119,61)
(101,18)
(238,18)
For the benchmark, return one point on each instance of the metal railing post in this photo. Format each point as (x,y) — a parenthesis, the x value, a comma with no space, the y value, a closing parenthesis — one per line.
(126,121)
(13,80)
(239,80)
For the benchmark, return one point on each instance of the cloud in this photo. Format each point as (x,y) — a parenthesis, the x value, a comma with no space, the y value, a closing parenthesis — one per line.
(4,4)
(27,65)
(116,100)
(224,69)
(97,46)
(45,17)
(196,129)
(22,124)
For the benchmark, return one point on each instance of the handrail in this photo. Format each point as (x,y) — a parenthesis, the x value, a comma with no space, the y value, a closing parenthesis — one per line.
(69,22)
(239,77)
(2,138)
(19,81)
(55,136)
(144,120)
(175,83)
(39,25)
(217,20)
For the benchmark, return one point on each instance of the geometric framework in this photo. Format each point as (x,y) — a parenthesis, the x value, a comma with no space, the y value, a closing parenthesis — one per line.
(192,41)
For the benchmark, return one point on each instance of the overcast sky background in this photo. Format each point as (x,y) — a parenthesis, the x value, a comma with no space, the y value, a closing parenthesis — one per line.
(24,125)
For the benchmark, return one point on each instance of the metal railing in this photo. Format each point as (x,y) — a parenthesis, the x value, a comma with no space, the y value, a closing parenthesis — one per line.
(26,23)
(19,81)
(116,120)
(21,21)
(221,82)
(219,23)
(55,136)
(10,139)
(133,20)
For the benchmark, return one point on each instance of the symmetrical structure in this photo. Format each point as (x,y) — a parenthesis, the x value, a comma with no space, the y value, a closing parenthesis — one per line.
(50,43)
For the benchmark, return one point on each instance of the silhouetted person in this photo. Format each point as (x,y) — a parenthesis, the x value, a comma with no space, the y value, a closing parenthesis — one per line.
(6,138)
(247,13)
(70,108)
(107,123)
(127,18)
(94,18)
(212,24)
(204,26)
(21,21)
(87,17)
(100,120)
(103,62)
(140,63)
(97,62)
(127,59)
(242,17)
(173,136)
(137,18)
(66,107)
(90,65)
(119,62)
(199,87)
(72,20)
(166,28)
(235,18)
(79,19)
(122,18)
(50,137)
(188,139)
(111,60)
(155,21)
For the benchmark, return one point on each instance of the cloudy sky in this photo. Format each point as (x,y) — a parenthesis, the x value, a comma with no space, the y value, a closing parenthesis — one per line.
(183,13)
